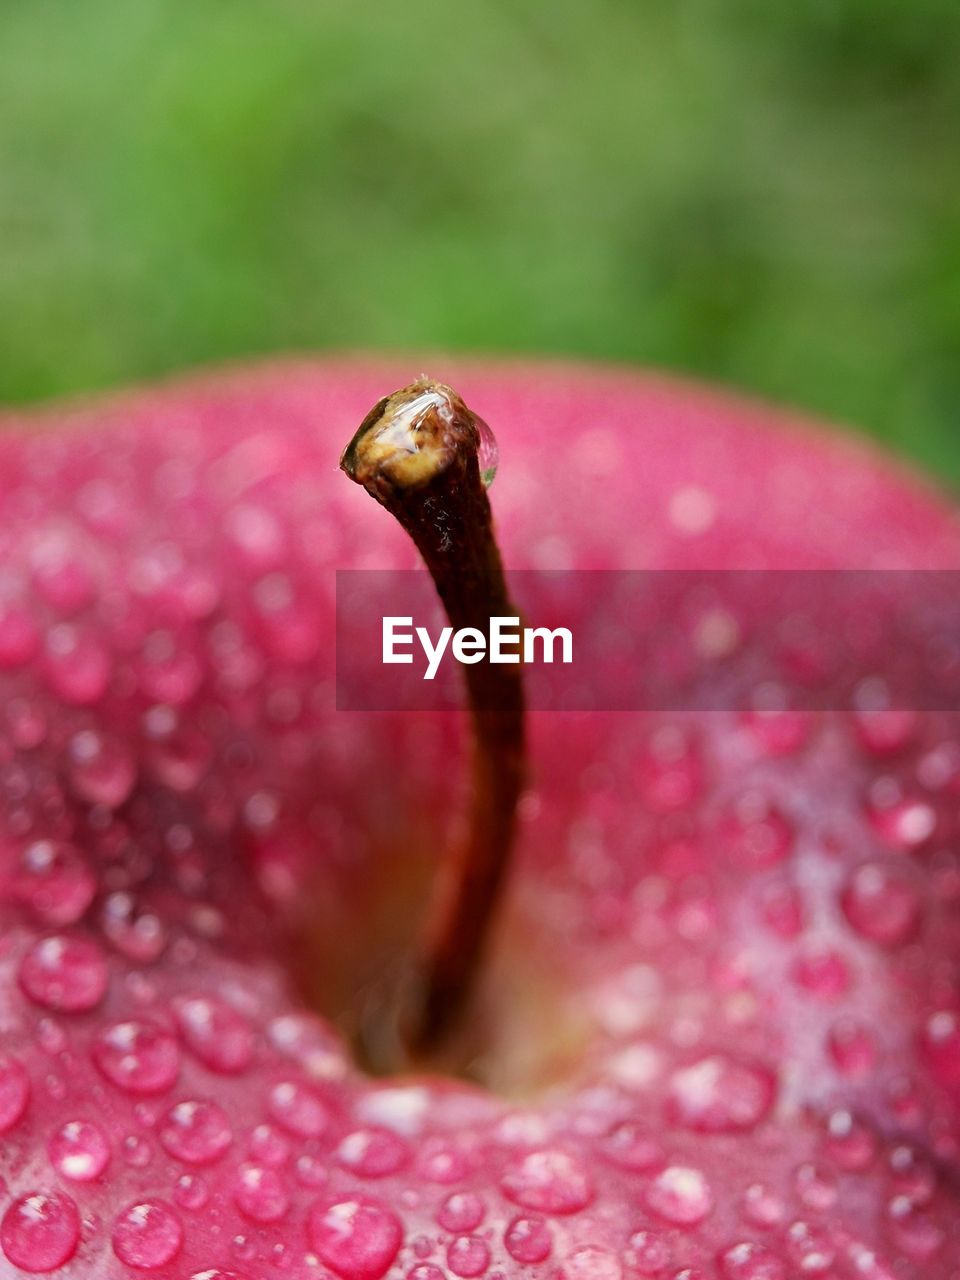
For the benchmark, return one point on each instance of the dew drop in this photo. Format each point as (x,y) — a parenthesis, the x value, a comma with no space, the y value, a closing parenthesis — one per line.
(754,834)
(14,1092)
(592,1263)
(852,1048)
(630,1146)
(649,1254)
(137,1057)
(914,1232)
(99,769)
(882,905)
(720,1095)
(191,1192)
(136,933)
(680,1195)
(64,973)
(19,637)
(900,821)
(940,1045)
(488,455)
(463,1211)
(260,1194)
(810,1249)
(77,666)
(357,1236)
(298,1108)
(822,972)
(750,1261)
(782,909)
(528,1240)
(269,1146)
(816,1187)
(147,1235)
(217,1273)
(468,1256)
(215,1033)
(848,1142)
(54,881)
(197,1132)
(40,1231)
(372,1153)
(79,1151)
(762,1206)
(548,1181)
(669,770)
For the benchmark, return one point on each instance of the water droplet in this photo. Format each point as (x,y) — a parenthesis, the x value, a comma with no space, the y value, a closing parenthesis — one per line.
(816,1187)
(356,1236)
(64,973)
(138,1057)
(821,972)
(426,1271)
(912,1175)
(720,1095)
(463,1211)
(260,1194)
(215,1033)
(882,904)
(191,1192)
(136,933)
(79,1151)
(680,1195)
(488,456)
(196,1132)
(14,1092)
(940,1044)
(528,1240)
(762,1206)
(915,1232)
(779,733)
(631,1146)
(372,1153)
(54,881)
(670,770)
(782,909)
(217,1273)
(649,1254)
(298,1108)
(40,1231)
(810,1248)
(754,834)
(549,1181)
(592,1263)
(77,666)
(100,769)
(900,821)
(852,1048)
(848,1142)
(147,1235)
(19,637)
(269,1146)
(468,1256)
(750,1261)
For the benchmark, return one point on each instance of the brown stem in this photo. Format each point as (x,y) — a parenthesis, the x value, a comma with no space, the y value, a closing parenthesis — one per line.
(417,453)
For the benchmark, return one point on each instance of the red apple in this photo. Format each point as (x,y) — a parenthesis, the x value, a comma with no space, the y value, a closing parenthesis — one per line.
(722,1018)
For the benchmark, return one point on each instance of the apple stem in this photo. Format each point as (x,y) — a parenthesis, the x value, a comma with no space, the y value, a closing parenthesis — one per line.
(417,453)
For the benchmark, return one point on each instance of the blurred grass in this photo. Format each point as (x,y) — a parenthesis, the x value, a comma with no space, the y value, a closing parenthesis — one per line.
(762,193)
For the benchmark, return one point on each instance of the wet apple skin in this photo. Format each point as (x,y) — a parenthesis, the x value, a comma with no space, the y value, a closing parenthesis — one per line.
(743,932)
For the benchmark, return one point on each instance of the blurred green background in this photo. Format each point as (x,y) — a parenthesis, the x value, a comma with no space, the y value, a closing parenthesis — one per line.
(761,192)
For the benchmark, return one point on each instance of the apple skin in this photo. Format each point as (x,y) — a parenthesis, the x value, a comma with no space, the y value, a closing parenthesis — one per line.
(738,937)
